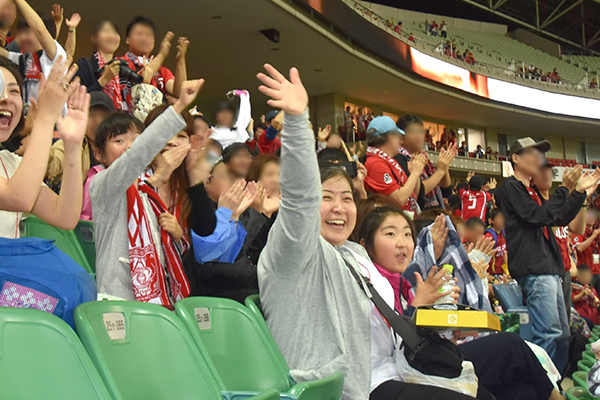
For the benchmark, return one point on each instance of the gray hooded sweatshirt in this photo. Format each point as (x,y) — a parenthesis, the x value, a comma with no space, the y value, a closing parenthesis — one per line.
(316,311)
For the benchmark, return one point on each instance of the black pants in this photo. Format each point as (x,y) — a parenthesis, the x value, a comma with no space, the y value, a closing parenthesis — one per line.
(395,390)
(506,366)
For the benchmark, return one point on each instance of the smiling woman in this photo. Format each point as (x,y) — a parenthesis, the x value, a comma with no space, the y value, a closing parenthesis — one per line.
(21,187)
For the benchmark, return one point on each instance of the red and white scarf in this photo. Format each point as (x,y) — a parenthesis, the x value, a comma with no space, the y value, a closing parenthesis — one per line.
(401,178)
(112,88)
(147,274)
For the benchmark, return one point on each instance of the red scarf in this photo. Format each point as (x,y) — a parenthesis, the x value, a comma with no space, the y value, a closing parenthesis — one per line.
(401,177)
(147,274)
(112,88)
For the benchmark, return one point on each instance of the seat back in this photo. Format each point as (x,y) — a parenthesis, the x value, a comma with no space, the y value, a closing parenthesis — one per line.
(41,357)
(145,352)
(509,296)
(226,331)
(253,304)
(66,241)
(84,231)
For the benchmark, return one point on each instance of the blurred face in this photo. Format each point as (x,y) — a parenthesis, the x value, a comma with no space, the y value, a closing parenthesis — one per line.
(219,182)
(141,40)
(414,138)
(393,143)
(591,217)
(498,222)
(95,118)
(11,105)
(543,180)
(115,147)
(338,211)
(528,161)
(334,141)
(393,244)
(181,139)
(258,133)
(584,277)
(269,178)
(27,40)
(239,165)
(8,15)
(107,40)
(201,129)
(473,234)
(224,118)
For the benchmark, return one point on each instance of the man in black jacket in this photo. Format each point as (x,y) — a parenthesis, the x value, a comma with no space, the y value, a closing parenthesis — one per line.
(535,260)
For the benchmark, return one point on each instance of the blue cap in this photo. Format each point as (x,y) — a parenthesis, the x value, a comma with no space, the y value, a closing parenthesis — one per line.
(270,115)
(382,125)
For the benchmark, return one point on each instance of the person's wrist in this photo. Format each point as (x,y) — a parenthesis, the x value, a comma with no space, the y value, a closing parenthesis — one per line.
(179,106)
(73,143)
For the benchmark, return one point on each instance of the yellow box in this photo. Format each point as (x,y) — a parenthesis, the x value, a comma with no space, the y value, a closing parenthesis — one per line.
(463,320)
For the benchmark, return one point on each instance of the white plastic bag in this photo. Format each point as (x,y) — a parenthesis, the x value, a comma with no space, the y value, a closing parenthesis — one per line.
(466,383)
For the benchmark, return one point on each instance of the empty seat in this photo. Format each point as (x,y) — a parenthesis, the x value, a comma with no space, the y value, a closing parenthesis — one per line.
(246,357)
(145,352)
(42,358)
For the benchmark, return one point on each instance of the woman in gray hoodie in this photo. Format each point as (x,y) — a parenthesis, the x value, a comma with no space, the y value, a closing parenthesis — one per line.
(320,318)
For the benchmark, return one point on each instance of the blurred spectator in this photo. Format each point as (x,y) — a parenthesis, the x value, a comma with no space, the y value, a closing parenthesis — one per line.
(463,150)
(238,158)
(259,130)
(269,142)
(594,83)
(444,29)
(474,199)
(97,72)
(228,129)
(361,129)
(479,152)
(585,297)
(498,264)
(434,29)
(8,16)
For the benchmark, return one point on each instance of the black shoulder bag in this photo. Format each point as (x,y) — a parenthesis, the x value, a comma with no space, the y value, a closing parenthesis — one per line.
(424,349)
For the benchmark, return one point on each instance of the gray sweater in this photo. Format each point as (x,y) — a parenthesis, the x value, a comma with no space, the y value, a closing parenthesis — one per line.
(316,311)
(109,204)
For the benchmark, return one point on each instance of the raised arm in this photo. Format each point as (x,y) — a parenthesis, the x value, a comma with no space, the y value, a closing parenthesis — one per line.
(124,171)
(297,227)
(22,190)
(244,114)
(181,67)
(63,211)
(35,22)
(71,43)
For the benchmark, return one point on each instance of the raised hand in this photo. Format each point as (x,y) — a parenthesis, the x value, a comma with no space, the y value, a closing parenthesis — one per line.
(416,165)
(57,89)
(73,125)
(57,14)
(271,204)
(165,45)
(233,197)
(277,122)
(189,92)
(571,176)
(480,267)
(587,181)
(182,46)
(169,223)
(259,200)
(167,162)
(470,175)
(485,245)
(446,157)
(492,183)
(288,95)
(324,133)
(439,234)
(73,22)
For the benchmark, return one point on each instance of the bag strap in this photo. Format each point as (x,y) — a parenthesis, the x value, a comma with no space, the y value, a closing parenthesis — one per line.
(398,322)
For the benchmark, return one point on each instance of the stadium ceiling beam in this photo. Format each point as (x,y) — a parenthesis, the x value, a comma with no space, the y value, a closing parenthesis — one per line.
(552,18)
(595,39)
(526,24)
(499,4)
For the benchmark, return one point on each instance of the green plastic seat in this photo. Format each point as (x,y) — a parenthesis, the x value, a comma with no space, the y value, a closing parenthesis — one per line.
(580,379)
(579,393)
(66,241)
(589,355)
(255,311)
(84,231)
(41,357)
(145,352)
(243,354)
(585,364)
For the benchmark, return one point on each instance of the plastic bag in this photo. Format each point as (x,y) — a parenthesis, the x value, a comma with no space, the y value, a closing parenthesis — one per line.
(467,383)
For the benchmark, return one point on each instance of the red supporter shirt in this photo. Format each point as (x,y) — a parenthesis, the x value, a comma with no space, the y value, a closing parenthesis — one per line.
(587,256)
(561,233)
(585,306)
(380,177)
(163,76)
(535,197)
(266,146)
(473,203)
(497,261)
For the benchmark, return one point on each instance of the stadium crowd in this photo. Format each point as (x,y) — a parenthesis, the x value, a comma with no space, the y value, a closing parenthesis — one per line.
(333,236)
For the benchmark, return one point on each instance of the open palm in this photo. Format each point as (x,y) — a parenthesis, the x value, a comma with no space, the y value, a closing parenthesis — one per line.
(288,95)
(72,126)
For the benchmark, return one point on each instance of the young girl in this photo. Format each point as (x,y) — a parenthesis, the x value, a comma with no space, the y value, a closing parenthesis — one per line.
(304,278)
(136,259)
(21,189)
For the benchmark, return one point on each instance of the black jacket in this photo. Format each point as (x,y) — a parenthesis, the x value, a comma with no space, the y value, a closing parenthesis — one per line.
(89,74)
(446,191)
(529,251)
